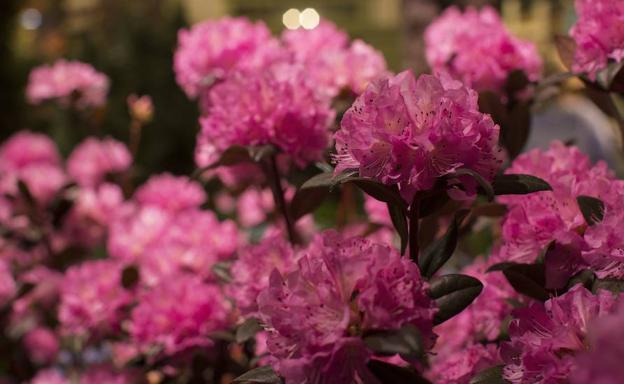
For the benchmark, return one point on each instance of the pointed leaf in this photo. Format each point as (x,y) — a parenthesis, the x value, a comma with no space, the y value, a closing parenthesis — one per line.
(612,285)
(493,375)
(485,186)
(566,47)
(306,201)
(327,179)
(130,276)
(517,80)
(379,191)
(591,208)
(399,220)
(518,184)
(247,330)
(390,373)
(438,253)
(452,293)
(406,342)
(260,375)
(527,279)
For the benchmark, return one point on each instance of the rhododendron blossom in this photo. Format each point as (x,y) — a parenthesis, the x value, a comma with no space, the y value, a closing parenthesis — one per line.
(171,193)
(276,105)
(341,285)
(212,49)
(67,82)
(476,48)
(94,159)
(409,132)
(42,345)
(598,34)
(546,337)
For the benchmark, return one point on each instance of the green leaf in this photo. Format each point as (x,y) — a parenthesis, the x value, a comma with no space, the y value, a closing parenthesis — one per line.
(390,373)
(485,186)
(452,293)
(566,47)
(406,342)
(262,152)
(516,132)
(517,80)
(612,285)
(591,208)
(493,375)
(327,179)
(518,184)
(527,279)
(438,253)
(306,201)
(130,276)
(399,220)
(379,191)
(432,203)
(262,375)
(247,330)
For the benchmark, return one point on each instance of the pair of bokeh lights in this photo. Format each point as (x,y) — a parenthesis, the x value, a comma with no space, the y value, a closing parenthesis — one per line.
(306,19)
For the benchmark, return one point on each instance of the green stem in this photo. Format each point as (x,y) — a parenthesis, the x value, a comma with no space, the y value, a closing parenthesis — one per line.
(278,196)
(414,212)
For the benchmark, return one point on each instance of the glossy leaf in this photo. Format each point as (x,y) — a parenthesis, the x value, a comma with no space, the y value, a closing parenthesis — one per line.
(485,186)
(438,253)
(390,373)
(247,330)
(452,293)
(518,184)
(591,208)
(406,342)
(493,375)
(306,201)
(399,220)
(260,375)
(527,279)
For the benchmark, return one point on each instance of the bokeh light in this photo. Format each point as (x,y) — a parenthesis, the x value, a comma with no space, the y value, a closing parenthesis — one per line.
(309,18)
(291,18)
(30,19)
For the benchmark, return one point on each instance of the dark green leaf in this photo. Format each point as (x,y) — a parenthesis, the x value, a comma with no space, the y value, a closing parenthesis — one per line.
(612,285)
(485,186)
(591,208)
(438,253)
(452,293)
(489,210)
(390,373)
(527,279)
(262,152)
(327,179)
(493,375)
(25,192)
(236,154)
(406,342)
(517,80)
(516,132)
(397,215)
(379,191)
(518,184)
(585,277)
(247,330)
(566,47)
(616,77)
(263,375)
(130,276)
(490,103)
(306,201)
(432,203)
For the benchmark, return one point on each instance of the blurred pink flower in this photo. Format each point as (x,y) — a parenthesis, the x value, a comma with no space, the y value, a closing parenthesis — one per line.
(171,193)
(93,159)
(476,48)
(92,298)
(407,132)
(42,345)
(459,366)
(212,49)
(66,82)
(26,148)
(49,376)
(178,314)
(277,105)
(8,288)
(598,34)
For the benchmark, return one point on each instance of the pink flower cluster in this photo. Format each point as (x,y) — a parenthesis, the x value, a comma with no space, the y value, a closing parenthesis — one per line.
(536,219)
(93,160)
(276,105)
(67,82)
(598,34)
(341,287)
(410,132)
(476,48)
(546,337)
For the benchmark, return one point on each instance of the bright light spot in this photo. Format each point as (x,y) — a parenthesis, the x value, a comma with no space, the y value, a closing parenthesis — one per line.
(291,18)
(30,19)
(309,18)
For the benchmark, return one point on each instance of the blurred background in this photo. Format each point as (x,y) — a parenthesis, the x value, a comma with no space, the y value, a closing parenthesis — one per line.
(133,42)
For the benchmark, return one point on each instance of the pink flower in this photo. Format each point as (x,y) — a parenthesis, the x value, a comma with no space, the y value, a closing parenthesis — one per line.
(8,288)
(545,337)
(67,81)
(476,48)
(460,366)
(340,285)
(598,34)
(43,181)
(377,211)
(49,376)
(253,206)
(329,60)
(107,375)
(92,298)
(178,314)
(212,49)
(171,193)
(407,132)
(534,220)
(93,159)
(601,363)
(277,105)
(42,345)
(251,271)
(25,148)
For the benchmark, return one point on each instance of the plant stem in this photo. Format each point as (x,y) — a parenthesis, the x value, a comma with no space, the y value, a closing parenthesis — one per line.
(278,196)
(414,212)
